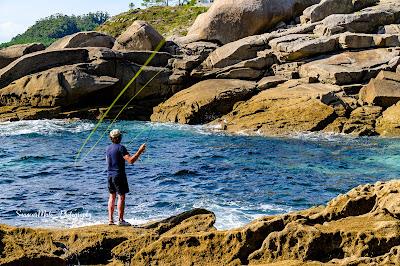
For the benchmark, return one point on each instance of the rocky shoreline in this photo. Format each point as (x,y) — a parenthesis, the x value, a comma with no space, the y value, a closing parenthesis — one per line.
(360,227)
(289,66)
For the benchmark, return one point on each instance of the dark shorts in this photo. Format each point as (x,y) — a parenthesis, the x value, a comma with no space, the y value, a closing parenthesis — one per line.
(118,184)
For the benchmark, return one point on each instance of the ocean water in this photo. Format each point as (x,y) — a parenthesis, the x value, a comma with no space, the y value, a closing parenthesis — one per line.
(239,178)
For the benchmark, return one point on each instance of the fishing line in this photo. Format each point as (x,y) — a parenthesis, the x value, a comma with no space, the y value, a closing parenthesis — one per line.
(161,44)
(119,113)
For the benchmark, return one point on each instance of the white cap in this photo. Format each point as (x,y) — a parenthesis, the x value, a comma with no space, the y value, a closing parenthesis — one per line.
(115,133)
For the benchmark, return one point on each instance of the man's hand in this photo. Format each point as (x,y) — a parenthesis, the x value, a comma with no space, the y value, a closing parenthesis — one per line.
(142,148)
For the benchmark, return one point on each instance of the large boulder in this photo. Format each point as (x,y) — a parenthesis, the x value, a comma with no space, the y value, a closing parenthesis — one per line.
(139,36)
(389,123)
(10,54)
(328,7)
(351,67)
(204,101)
(40,61)
(83,39)
(230,20)
(298,46)
(247,48)
(382,91)
(59,86)
(289,108)
(362,121)
(368,20)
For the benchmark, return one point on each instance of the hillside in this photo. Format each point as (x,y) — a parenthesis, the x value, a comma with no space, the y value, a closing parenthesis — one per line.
(51,28)
(169,21)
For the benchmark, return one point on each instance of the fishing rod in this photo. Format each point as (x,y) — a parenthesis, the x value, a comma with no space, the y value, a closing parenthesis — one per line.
(161,44)
(119,113)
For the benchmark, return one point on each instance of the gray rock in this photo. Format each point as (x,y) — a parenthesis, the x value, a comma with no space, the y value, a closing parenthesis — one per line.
(299,46)
(366,21)
(328,7)
(351,67)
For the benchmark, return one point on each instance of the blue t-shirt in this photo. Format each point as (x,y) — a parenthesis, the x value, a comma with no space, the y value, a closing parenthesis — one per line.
(115,160)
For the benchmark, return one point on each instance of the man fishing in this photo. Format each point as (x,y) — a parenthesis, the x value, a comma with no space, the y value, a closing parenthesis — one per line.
(117,154)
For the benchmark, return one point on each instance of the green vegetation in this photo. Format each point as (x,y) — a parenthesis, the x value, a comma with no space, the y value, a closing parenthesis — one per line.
(51,28)
(167,20)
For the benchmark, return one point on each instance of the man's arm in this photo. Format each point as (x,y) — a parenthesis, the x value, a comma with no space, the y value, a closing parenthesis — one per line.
(131,159)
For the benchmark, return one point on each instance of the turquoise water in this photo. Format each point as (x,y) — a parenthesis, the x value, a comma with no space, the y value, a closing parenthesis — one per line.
(240,178)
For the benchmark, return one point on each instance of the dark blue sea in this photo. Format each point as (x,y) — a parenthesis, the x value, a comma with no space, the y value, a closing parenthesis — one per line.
(239,178)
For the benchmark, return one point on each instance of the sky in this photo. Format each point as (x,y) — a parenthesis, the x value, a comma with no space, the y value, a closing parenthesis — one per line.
(17,15)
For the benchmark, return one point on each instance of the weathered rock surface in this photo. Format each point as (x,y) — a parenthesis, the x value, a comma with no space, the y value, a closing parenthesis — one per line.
(243,18)
(40,61)
(289,108)
(389,123)
(325,8)
(9,54)
(362,121)
(351,67)
(204,101)
(83,39)
(382,91)
(139,36)
(360,227)
(367,20)
(60,86)
(294,47)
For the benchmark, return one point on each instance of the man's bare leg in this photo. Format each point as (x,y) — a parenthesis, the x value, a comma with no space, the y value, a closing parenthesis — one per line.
(121,207)
(111,207)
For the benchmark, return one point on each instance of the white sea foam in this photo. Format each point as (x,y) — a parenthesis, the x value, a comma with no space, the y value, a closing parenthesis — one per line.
(43,127)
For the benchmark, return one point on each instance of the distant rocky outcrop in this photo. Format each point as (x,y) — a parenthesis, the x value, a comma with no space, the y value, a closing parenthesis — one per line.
(360,227)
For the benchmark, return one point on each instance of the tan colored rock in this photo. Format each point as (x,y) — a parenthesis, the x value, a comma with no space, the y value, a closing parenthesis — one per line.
(351,67)
(17,113)
(362,121)
(243,18)
(328,7)
(391,29)
(139,36)
(288,70)
(83,39)
(203,101)
(382,91)
(270,82)
(248,47)
(40,61)
(10,54)
(289,108)
(389,123)
(360,227)
(60,86)
(299,46)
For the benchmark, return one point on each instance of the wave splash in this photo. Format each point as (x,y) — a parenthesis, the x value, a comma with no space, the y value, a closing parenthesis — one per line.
(43,127)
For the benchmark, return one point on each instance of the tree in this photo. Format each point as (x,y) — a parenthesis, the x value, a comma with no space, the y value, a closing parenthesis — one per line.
(131,5)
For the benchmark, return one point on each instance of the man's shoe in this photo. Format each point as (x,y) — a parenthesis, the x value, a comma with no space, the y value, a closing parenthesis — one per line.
(111,223)
(123,223)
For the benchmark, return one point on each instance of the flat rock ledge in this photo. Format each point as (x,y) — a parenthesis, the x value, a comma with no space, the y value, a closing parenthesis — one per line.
(360,227)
